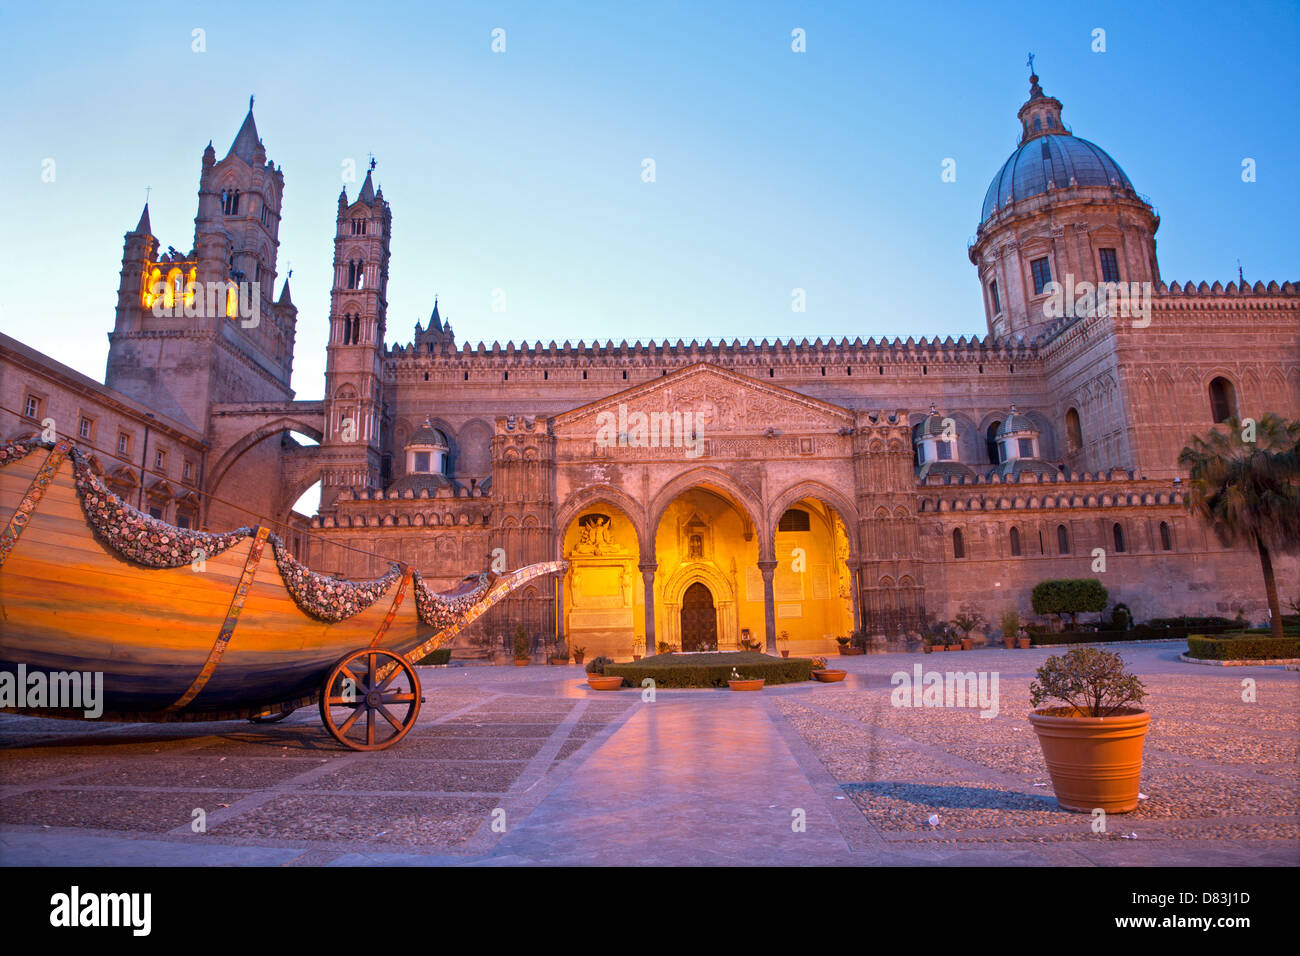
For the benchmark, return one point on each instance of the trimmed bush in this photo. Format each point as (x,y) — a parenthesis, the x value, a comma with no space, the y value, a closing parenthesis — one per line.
(1242,648)
(1069,596)
(441,656)
(711,670)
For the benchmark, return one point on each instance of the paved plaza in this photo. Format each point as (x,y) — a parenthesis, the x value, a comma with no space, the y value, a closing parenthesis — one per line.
(512,766)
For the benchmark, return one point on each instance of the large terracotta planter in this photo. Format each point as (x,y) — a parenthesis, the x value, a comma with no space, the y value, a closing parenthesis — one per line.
(829,676)
(1023,643)
(954,647)
(756,684)
(967,643)
(521,662)
(600,682)
(1094,762)
(1008,642)
(851,651)
(577,658)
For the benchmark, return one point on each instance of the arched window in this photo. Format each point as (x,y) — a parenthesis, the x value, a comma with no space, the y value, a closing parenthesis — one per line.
(1073,430)
(958,544)
(1015,542)
(1062,540)
(1166,537)
(991,442)
(1223,400)
(1118,533)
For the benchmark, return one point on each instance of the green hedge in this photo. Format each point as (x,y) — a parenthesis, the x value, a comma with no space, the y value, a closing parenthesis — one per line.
(1242,648)
(1141,632)
(711,670)
(441,656)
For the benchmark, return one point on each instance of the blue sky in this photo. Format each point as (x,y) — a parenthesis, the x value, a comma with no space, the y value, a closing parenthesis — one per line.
(521,170)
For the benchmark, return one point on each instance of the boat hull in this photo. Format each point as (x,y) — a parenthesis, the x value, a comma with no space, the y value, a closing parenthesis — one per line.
(218,638)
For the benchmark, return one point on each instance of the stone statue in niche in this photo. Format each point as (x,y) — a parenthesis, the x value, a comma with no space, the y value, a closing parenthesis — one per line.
(695,549)
(595,536)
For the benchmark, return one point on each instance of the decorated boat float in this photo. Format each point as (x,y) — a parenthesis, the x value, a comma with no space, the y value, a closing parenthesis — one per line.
(189,625)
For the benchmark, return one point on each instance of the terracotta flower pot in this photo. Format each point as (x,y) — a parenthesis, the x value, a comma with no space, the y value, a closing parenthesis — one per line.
(929,648)
(785,653)
(844,649)
(1009,642)
(636,657)
(954,647)
(829,676)
(967,643)
(577,658)
(521,662)
(600,682)
(755,684)
(1022,643)
(1093,761)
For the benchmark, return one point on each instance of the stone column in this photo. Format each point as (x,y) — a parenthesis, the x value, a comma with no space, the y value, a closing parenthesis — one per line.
(855,582)
(648,576)
(768,570)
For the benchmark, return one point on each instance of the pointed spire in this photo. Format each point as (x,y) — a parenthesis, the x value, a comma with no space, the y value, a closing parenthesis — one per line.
(367,194)
(435,320)
(143,227)
(285,299)
(246,139)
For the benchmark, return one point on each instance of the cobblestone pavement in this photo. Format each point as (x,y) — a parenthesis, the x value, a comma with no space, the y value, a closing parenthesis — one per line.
(522,766)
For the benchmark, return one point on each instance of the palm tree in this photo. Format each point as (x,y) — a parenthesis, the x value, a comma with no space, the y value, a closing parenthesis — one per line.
(1249,491)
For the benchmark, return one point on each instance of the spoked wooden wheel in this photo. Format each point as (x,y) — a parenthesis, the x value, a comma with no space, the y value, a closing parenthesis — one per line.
(370,699)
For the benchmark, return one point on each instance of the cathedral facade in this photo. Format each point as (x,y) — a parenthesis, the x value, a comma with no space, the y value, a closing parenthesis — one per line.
(704,494)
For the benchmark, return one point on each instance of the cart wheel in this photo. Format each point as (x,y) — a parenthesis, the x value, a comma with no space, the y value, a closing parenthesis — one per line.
(363,703)
(272,718)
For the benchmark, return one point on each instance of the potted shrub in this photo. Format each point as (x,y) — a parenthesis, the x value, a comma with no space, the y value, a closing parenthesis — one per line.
(736,682)
(783,643)
(596,678)
(967,619)
(664,647)
(523,646)
(560,655)
(826,675)
(1092,740)
(1010,627)
(1025,637)
(578,654)
(927,643)
(843,642)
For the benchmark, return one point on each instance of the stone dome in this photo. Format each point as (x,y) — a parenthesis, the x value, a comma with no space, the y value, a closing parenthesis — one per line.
(1059,159)
(427,436)
(1016,424)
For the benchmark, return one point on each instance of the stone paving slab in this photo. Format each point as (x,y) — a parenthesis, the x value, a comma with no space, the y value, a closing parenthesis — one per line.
(517,766)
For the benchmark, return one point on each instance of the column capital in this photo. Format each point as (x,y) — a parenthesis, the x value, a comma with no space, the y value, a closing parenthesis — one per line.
(767,567)
(648,568)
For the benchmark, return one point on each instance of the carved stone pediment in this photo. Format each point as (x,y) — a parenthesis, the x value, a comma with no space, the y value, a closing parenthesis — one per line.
(703,401)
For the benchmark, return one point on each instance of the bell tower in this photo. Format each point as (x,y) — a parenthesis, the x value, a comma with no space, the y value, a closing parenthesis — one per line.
(354,411)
